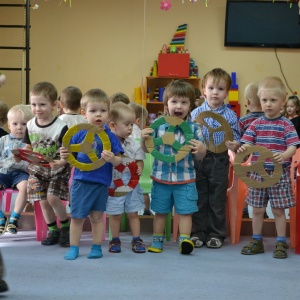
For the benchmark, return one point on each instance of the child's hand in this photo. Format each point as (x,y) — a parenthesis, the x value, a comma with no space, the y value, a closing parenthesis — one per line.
(56,164)
(145,133)
(139,171)
(242,148)
(64,152)
(232,145)
(278,157)
(198,148)
(17,158)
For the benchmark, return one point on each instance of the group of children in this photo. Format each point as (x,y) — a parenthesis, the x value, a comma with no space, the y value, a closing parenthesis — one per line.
(196,185)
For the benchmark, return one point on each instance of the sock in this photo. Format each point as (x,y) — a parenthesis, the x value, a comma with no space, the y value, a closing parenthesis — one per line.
(65,223)
(257,237)
(52,226)
(183,237)
(96,251)
(134,238)
(72,253)
(14,216)
(281,239)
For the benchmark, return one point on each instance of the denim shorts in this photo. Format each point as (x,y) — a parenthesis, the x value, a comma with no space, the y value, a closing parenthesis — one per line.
(183,197)
(87,196)
(12,178)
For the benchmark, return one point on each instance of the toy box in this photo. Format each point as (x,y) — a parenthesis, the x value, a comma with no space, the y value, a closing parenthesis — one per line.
(173,65)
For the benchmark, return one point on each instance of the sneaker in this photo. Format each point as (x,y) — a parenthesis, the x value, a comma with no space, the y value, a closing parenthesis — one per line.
(3,225)
(138,246)
(64,238)
(214,243)
(186,246)
(147,212)
(115,246)
(157,244)
(280,250)
(51,239)
(3,286)
(12,227)
(197,242)
(254,247)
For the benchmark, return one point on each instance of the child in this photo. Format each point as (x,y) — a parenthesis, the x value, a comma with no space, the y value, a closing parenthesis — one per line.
(89,190)
(13,174)
(278,134)
(209,222)
(119,97)
(141,114)
(70,103)
(49,185)
(122,118)
(254,108)
(292,107)
(3,118)
(174,183)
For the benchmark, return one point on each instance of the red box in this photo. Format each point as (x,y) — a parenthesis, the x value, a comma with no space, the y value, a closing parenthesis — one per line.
(174,65)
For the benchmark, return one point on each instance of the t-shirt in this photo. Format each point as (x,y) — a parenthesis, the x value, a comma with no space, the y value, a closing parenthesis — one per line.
(73,119)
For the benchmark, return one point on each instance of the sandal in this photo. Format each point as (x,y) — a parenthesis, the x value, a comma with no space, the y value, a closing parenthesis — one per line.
(214,243)
(197,242)
(3,225)
(138,246)
(280,250)
(12,226)
(254,247)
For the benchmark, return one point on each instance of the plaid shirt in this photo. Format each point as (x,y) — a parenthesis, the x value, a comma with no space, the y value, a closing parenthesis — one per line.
(226,113)
(181,171)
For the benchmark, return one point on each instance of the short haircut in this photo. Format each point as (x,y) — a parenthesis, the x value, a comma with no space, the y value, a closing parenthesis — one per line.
(46,89)
(140,110)
(3,113)
(23,109)
(119,97)
(217,74)
(179,88)
(273,84)
(93,96)
(72,96)
(250,93)
(118,110)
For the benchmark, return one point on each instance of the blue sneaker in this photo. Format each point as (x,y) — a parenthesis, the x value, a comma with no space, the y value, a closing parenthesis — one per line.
(157,244)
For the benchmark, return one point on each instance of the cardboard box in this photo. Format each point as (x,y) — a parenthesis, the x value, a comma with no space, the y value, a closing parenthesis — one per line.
(174,65)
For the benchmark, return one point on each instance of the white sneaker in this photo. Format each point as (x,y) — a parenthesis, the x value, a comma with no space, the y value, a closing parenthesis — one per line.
(197,242)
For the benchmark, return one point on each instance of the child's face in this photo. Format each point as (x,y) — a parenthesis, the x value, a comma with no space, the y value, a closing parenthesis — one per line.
(17,125)
(42,108)
(123,127)
(291,108)
(179,107)
(271,103)
(215,92)
(96,113)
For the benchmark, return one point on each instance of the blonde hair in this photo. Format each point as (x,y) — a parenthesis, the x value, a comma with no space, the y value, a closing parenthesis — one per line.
(217,74)
(140,111)
(20,108)
(250,93)
(46,89)
(94,96)
(273,84)
(119,97)
(3,113)
(118,110)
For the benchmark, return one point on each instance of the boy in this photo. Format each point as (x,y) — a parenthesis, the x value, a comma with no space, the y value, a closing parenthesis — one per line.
(278,134)
(209,222)
(122,119)
(174,182)
(70,104)
(13,174)
(49,185)
(119,97)
(254,108)
(89,190)
(141,115)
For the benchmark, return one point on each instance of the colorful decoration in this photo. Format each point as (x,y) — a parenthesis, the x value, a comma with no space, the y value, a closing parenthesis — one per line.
(178,38)
(169,139)
(258,167)
(228,134)
(32,157)
(125,178)
(165,5)
(86,146)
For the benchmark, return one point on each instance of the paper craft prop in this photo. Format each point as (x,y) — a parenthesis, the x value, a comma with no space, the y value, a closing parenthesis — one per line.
(169,139)
(224,127)
(119,187)
(32,157)
(257,167)
(86,146)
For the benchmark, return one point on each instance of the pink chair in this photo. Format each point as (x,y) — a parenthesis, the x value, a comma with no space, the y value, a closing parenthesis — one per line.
(7,197)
